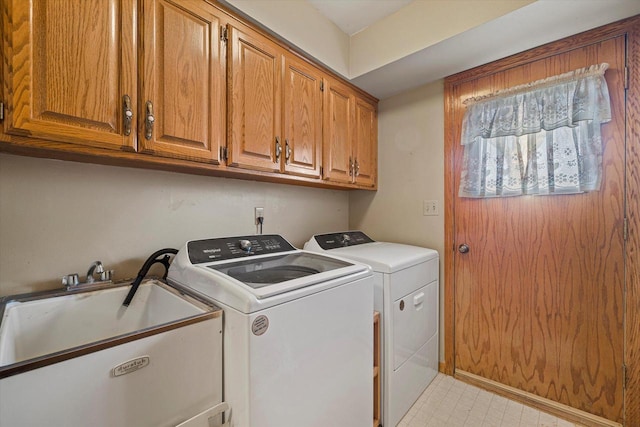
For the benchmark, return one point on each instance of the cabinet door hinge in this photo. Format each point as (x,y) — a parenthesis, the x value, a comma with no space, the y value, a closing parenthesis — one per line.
(625,229)
(624,377)
(1,111)
(321,171)
(223,34)
(626,78)
(321,86)
(223,153)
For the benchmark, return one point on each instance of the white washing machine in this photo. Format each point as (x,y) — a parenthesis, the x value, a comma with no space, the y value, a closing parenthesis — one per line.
(297,331)
(406,295)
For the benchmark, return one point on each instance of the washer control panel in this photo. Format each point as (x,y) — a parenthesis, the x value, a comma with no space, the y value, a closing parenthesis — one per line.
(209,250)
(342,239)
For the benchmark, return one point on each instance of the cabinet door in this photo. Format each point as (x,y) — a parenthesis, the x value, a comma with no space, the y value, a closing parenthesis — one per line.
(254,101)
(337,133)
(71,62)
(366,144)
(302,118)
(183,80)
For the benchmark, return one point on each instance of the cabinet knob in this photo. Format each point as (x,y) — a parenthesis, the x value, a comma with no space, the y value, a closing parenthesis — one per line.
(149,121)
(463,248)
(278,149)
(287,151)
(127,117)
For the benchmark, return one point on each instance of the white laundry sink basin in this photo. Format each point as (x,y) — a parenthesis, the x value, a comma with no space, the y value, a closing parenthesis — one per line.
(34,328)
(78,358)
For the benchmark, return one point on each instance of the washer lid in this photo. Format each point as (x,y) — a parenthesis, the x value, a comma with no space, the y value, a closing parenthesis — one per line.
(251,280)
(383,257)
(258,273)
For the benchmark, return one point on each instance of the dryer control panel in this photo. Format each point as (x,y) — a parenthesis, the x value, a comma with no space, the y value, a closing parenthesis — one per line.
(208,250)
(342,239)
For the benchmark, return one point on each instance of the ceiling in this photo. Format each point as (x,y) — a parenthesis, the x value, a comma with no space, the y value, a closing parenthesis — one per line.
(533,25)
(352,16)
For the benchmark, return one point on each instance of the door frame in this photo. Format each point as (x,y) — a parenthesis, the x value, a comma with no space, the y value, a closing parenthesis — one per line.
(631,28)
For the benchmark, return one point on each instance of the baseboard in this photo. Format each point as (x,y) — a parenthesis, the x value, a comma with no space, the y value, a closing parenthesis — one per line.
(535,401)
(441,366)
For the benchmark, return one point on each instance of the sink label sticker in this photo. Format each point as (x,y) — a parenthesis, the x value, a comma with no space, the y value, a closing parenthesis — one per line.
(130,366)
(260,325)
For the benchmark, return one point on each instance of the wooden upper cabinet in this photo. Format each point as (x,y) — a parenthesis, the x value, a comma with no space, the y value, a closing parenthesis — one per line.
(338,132)
(182,109)
(178,83)
(302,118)
(366,144)
(71,63)
(255,97)
(350,153)
(275,107)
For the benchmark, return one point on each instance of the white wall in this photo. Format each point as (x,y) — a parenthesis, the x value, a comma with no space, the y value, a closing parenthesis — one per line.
(57,217)
(424,24)
(410,170)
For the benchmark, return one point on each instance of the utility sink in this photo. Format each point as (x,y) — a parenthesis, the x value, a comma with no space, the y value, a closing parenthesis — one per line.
(156,362)
(33,327)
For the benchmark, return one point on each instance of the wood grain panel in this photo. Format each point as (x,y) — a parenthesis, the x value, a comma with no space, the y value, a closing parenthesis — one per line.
(366,143)
(255,102)
(184,76)
(451,130)
(632,270)
(539,298)
(337,132)
(71,61)
(302,118)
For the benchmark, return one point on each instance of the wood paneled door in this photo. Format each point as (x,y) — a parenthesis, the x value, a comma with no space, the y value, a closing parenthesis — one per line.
(255,99)
(365,150)
(350,136)
(182,110)
(302,118)
(538,300)
(66,82)
(338,132)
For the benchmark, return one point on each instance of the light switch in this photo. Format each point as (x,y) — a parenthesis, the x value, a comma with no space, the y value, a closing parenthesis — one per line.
(430,208)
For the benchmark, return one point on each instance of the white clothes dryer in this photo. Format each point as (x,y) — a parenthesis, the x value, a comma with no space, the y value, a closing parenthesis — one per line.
(406,295)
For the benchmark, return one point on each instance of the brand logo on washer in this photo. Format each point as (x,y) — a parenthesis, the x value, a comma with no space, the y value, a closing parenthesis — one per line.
(260,325)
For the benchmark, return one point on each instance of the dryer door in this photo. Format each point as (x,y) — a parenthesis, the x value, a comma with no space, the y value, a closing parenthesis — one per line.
(414,322)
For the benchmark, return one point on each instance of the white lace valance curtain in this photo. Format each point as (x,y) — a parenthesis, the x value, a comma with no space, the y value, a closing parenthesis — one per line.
(538,138)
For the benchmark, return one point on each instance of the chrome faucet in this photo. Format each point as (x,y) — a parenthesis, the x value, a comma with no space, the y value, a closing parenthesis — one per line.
(96,267)
(71,281)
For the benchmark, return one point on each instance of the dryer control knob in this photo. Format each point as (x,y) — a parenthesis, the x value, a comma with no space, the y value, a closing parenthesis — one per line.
(245,245)
(346,239)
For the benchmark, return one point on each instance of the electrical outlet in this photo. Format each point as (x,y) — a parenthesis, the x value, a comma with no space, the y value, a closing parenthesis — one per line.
(430,207)
(259,214)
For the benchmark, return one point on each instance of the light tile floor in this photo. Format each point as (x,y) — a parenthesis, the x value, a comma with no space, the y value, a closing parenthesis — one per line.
(448,402)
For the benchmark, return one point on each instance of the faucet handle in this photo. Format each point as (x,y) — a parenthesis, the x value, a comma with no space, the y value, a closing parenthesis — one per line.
(70,280)
(106,275)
